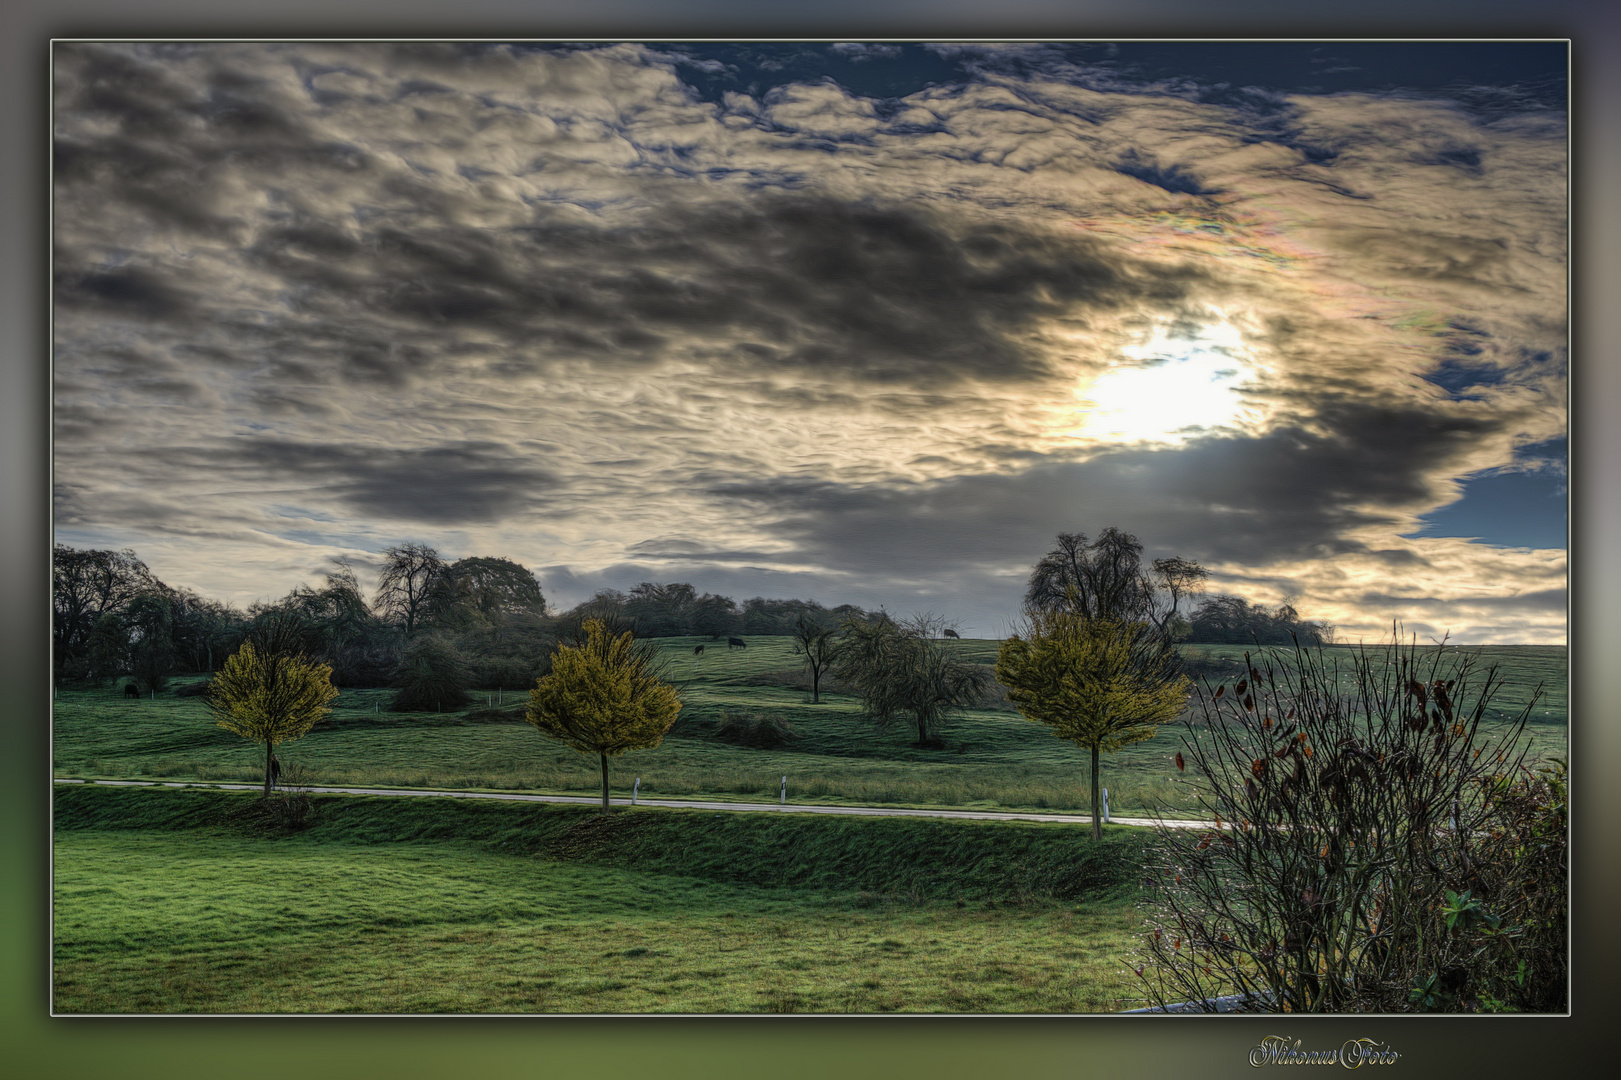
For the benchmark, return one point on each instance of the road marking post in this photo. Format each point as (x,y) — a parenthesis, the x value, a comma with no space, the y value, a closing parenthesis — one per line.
(635,790)
(1105,806)
(785,791)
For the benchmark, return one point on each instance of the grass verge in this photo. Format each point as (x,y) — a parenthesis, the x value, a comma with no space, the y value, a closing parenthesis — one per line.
(190,901)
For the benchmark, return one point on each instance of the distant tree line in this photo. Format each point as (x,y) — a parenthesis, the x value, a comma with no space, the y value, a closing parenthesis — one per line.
(1232,620)
(434,628)
(678,610)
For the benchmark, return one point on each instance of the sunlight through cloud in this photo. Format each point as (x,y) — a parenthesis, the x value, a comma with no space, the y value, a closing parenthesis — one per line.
(1176,384)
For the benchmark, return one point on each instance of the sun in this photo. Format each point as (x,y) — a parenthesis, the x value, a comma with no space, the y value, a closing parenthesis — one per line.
(1178,384)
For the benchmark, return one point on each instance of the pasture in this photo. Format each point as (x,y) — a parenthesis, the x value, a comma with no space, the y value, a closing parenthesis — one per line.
(183,900)
(992,758)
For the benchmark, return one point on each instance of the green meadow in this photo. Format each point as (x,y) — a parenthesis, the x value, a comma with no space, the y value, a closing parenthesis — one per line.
(190,900)
(181,901)
(992,758)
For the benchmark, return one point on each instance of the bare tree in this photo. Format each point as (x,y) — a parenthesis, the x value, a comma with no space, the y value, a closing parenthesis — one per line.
(1105,579)
(407,583)
(819,646)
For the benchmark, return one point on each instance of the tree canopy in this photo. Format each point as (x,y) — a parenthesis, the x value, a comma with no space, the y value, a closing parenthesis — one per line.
(906,670)
(1099,682)
(1232,620)
(406,585)
(86,585)
(270,697)
(1105,578)
(605,695)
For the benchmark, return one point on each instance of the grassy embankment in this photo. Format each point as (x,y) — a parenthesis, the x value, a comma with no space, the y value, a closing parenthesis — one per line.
(993,758)
(185,901)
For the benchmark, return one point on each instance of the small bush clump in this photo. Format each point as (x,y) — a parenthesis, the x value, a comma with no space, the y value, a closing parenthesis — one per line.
(754,730)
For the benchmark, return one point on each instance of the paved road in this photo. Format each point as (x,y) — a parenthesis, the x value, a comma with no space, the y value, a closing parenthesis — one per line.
(683,804)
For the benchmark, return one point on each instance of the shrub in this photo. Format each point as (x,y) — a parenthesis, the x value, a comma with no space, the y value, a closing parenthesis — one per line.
(755,731)
(432,677)
(508,672)
(1370,852)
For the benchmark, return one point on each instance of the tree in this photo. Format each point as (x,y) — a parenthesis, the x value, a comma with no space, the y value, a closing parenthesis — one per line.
(483,592)
(1099,682)
(85,586)
(714,616)
(433,676)
(149,620)
(818,644)
(270,697)
(1370,851)
(1232,620)
(605,695)
(1104,578)
(407,583)
(905,669)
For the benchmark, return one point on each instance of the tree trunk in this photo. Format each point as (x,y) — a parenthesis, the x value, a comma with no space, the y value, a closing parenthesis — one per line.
(604,783)
(268,752)
(816,682)
(1097,806)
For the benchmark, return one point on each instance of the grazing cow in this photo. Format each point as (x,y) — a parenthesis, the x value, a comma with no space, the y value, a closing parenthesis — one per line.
(736,643)
(131,690)
(953,633)
(698,650)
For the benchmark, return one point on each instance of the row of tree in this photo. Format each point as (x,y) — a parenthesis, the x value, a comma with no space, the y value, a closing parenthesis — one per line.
(114,617)
(433,623)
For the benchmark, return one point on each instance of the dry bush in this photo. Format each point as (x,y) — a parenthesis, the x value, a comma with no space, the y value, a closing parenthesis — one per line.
(1372,850)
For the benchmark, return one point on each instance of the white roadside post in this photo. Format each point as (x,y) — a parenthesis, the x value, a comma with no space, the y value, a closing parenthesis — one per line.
(785,791)
(635,788)
(1105,806)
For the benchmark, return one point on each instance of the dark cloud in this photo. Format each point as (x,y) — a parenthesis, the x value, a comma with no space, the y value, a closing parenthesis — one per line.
(1295,493)
(459,483)
(133,291)
(1540,602)
(871,292)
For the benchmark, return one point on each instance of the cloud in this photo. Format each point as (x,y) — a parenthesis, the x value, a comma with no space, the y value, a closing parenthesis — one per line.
(553,302)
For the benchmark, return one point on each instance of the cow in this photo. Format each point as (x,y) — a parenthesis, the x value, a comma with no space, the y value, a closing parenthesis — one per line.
(953,633)
(697,650)
(131,690)
(736,643)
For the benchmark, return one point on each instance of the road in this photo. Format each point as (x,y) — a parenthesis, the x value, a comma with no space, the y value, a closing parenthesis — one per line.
(678,804)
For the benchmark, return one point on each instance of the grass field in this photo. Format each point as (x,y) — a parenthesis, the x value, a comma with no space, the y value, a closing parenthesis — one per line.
(993,757)
(179,901)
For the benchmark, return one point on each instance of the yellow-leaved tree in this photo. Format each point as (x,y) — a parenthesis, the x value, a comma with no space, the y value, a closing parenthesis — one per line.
(270,696)
(1101,683)
(604,696)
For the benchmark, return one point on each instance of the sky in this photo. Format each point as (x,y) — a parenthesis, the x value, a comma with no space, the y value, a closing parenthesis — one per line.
(861,323)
